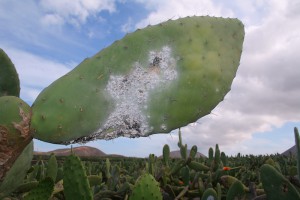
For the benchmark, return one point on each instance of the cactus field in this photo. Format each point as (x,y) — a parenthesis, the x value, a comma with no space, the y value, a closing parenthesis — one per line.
(217,177)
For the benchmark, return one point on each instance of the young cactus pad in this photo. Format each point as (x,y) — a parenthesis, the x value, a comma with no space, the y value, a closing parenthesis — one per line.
(154,80)
(14,131)
(9,79)
(146,187)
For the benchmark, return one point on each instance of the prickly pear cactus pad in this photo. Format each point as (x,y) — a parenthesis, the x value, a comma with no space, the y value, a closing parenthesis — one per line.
(16,174)
(14,131)
(154,80)
(9,79)
(146,187)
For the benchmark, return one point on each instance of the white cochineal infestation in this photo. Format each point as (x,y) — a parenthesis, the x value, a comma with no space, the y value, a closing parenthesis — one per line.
(131,94)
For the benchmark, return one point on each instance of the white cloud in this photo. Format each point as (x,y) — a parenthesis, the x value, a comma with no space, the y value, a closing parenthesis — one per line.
(35,72)
(172,9)
(128,26)
(75,12)
(52,19)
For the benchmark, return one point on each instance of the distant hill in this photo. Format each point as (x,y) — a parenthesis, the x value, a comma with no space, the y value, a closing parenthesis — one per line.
(176,154)
(292,150)
(83,151)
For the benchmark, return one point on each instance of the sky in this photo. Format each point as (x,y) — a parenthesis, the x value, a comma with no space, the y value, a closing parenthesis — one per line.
(45,39)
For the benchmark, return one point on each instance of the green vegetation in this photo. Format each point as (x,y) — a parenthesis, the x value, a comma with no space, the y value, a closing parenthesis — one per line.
(243,177)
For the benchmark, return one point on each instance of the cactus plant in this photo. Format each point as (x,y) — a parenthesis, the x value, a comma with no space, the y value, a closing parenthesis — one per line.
(9,79)
(209,194)
(297,141)
(276,185)
(14,131)
(152,81)
(52,167)
(236,191)
(166,155)
(43,190)
(75,181)
(14,177)
(146,187)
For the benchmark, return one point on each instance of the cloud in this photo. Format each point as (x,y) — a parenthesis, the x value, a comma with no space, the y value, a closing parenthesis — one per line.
(128,26)
(163,10)
(75,12)
(35,72)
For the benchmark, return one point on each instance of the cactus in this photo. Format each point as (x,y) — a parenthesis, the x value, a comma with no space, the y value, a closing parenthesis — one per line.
(146,187)
(43,190)
(9,79)
(209,194)
(26,187)
(108,168)
(236,191)
(14,131)
(151,164)
(152,81)
(185,175)
(219,191)
(210,156)
(198,166)
(41,172)
(228,180)
(14,177)
(52,167)
(217,159)
(75,181)
(276,185)
(183,148)
(166,154)
(193,152)
(297,141)
(224,159)
(95,180)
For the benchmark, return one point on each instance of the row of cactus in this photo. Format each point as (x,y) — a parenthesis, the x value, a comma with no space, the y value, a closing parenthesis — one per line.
(216,177)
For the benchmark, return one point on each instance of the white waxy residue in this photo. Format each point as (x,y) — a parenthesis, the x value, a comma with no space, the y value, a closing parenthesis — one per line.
(130,93)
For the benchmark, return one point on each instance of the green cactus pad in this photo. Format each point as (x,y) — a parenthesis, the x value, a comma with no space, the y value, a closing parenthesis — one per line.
(15,176)
(166,154)
(9,79)
(14,131)
(76,184)
(146,187)
(276,185)
(52,167)
(43,190)
(209,194)
(236,191)
(154,80)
